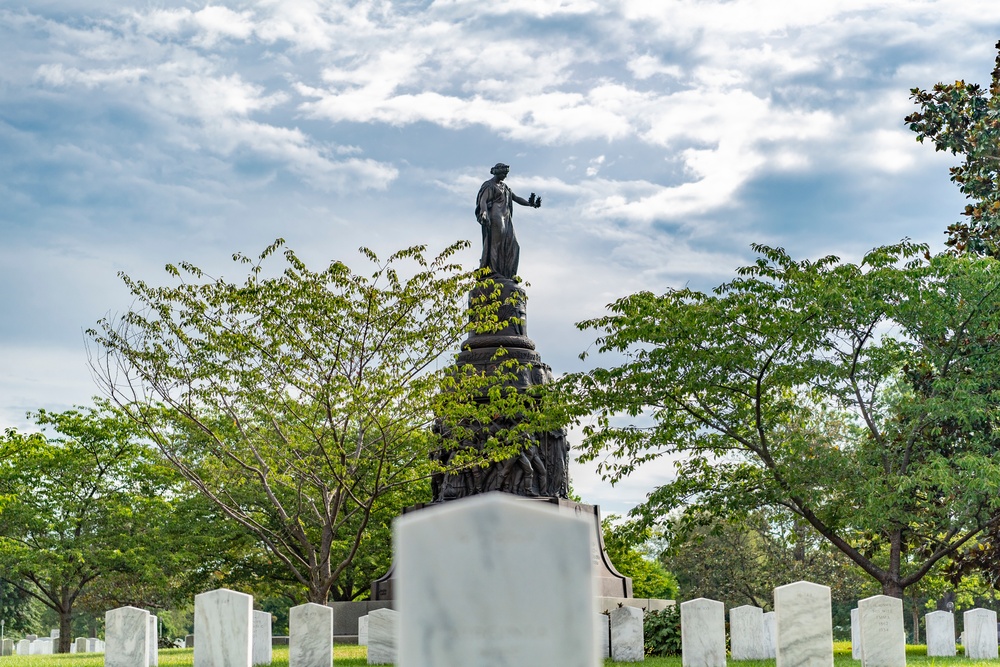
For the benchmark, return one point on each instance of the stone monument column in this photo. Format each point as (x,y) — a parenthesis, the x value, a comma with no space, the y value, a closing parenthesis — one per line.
(541,470)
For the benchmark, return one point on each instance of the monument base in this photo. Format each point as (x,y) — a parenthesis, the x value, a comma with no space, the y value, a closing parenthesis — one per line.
(608,582)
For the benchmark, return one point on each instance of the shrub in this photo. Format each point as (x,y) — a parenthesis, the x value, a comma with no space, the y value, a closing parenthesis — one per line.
(662,630)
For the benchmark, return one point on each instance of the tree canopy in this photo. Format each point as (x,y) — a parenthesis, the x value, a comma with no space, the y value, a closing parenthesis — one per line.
(964,119)
(859,397)
(79,508)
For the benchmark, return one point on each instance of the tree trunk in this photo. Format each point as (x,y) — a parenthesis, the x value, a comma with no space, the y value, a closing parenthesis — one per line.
(319,593)
(915,611)
(65,629)
(892,587)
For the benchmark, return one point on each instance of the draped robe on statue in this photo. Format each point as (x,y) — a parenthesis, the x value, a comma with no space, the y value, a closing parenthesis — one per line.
(494,211)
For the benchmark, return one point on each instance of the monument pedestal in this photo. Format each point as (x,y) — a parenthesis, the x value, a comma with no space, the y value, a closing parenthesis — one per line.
(540,472)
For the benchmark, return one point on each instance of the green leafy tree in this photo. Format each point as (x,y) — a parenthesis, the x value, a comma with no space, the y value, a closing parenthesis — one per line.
(742,562)
(851,396)
(964,119)
(649,578)
(300,403)
(16,609)
(79,507)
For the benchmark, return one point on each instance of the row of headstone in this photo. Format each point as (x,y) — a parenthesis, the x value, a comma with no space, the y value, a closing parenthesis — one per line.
(47,646)
(798,632)
(491,575)
(230,634)
(878,638)
(620,633)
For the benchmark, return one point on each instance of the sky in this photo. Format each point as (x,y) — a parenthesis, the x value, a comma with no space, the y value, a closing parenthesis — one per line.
(664,136)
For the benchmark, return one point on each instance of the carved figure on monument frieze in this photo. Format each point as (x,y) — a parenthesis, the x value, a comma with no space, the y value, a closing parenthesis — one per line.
(540,469)
(494,212)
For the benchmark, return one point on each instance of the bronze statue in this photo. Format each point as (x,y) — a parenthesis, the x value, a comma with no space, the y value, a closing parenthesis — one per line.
(494,210)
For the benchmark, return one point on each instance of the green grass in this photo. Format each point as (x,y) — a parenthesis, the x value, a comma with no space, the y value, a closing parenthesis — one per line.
(345,655)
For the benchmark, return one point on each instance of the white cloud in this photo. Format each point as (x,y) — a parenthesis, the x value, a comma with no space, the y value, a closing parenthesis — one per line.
(201,108)
(57,75)
(536,8)
(646,66)
(207,26)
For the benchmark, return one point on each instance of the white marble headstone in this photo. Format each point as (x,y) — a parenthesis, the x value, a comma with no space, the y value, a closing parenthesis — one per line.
(383,636)
(154,641)
(855,635)
(703,633)
(771,632)
(805,625)
(883,639)
(747,637)
(363,630)
(222,623)
(495,575)
(310,635)
(627,634)
(81,644)
(7,647)
(126,636)
(262,638)
(980,633)
(939,630)
(23,647)
(604,634)
(939,627)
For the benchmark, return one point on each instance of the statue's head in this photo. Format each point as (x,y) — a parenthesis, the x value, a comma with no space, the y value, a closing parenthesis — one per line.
(500,168)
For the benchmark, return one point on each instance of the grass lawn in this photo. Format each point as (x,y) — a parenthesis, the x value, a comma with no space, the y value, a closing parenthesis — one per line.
(356,656)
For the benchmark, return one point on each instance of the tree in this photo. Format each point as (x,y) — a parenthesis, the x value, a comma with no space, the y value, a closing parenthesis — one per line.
(853,396)
(78,508)
(742,562)
(964,119)
(300,403)
(650,579)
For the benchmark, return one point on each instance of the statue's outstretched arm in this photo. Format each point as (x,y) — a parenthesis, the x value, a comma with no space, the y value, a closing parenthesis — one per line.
(532,201)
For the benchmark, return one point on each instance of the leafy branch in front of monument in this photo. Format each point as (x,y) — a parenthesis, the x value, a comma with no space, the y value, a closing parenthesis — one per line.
(299,403)
(860,398)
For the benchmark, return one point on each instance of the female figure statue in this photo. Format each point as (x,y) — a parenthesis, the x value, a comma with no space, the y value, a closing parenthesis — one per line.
(494,210)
